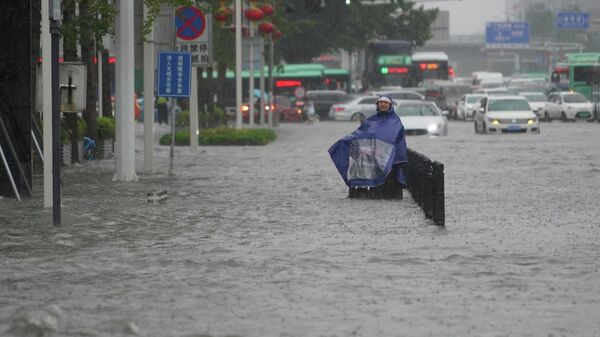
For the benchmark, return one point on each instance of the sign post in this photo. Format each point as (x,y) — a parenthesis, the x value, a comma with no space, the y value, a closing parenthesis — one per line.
(193,34)
(174,80)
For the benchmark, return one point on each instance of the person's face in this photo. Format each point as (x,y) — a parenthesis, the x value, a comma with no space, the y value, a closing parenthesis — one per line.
(383,106)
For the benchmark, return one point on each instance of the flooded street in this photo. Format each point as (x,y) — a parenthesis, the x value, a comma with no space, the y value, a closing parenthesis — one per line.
(262,241)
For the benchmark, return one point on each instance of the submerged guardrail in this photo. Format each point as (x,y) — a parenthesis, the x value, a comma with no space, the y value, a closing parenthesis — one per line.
(425,180)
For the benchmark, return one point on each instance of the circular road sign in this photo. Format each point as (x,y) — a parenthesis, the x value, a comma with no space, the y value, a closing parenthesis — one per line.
(190,23)
(300,92)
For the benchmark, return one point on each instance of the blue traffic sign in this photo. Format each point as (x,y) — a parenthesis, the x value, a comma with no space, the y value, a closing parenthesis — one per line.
(190,23)
(174,74)
(572,20)
(509,34)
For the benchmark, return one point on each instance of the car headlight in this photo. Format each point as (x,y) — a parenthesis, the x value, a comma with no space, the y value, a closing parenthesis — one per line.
(494,121)
(432,128)
(531,121)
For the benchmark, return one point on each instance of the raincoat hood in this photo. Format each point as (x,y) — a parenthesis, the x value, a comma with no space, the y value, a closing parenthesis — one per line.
(365,157)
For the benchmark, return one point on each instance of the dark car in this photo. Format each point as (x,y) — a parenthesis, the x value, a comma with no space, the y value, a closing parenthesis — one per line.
(446,95)
(285,108)
(324,99)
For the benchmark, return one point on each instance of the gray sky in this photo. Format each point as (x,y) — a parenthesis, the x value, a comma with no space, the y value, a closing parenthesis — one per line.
(470,16)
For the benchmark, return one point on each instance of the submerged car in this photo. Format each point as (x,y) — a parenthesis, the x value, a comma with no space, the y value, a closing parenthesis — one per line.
(356,109)
(324,99)
(568,105)
(537,101)
(505,114)
(467,105)
(422,118)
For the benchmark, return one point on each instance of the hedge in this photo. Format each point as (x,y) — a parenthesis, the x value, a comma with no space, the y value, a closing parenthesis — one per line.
(222,136)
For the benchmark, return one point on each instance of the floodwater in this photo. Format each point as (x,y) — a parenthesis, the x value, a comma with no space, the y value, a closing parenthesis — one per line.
(262,241)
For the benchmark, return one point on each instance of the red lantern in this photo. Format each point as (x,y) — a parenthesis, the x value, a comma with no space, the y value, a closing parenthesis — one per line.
(267,9)
(277,34)
(223,14)
(266,27)
(254,14)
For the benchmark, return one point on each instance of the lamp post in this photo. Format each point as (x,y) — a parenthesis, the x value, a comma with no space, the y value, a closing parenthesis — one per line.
(54,17)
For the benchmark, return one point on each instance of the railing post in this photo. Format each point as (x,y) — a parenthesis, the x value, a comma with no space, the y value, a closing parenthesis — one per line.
(427,188)
(439,214)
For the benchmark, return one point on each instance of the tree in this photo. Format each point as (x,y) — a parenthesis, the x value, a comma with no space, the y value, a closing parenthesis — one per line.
(349,27)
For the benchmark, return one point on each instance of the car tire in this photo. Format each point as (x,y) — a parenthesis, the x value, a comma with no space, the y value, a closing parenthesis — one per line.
(357,117)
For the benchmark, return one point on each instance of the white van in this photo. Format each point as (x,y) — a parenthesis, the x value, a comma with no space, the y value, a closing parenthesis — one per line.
(486,79)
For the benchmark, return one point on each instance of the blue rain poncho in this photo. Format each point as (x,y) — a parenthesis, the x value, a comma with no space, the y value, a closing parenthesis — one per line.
(365,157)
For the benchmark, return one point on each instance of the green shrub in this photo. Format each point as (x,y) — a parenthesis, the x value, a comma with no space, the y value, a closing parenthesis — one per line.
(106,128)
(182,119)
(223,136)
(212,120)
(65,131)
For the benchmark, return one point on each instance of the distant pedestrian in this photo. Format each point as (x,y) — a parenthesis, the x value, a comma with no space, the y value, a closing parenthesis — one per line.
(163,111)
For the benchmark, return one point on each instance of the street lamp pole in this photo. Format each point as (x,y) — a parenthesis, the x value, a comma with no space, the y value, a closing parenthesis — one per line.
(54,6)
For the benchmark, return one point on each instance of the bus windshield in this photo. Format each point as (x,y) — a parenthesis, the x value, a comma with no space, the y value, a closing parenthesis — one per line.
(387,63)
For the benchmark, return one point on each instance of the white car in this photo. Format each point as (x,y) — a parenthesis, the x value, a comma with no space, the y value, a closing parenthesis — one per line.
(505,114)
(568,105)
(467,105)
(355,109)
(537,101)
(422,118)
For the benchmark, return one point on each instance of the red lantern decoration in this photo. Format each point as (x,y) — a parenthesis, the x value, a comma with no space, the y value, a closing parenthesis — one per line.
(267,9)
(266,27)
(223,14)
(277,34)
(254,14)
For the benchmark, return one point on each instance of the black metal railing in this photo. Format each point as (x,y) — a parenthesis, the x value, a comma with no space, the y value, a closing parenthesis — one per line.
(425,180)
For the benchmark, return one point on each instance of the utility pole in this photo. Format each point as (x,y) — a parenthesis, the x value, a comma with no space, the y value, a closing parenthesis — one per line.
(55,16)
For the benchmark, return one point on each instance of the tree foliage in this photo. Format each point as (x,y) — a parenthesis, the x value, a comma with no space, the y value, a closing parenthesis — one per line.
(338,25)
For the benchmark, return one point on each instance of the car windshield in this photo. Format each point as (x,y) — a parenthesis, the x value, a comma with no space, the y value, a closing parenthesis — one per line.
(474,99)
(417,110)
(574,98)
(508,105)
(535,98)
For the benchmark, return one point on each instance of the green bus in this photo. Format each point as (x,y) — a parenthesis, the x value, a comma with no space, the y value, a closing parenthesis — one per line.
(288,77)
(583,72)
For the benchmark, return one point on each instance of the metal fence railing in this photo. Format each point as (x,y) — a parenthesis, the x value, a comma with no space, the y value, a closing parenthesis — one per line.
(425,180)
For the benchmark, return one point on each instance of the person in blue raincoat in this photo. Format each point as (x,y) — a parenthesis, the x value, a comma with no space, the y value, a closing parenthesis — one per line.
(376,151)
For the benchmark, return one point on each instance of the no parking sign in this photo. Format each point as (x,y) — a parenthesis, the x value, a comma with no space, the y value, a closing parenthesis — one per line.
(193,34)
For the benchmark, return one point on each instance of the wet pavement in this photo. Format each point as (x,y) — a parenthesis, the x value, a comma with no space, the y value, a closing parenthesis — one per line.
(262,241)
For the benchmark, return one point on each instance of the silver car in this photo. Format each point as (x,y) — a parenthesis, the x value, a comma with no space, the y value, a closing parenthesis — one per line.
(467,105)
(537,101)
(356,109)
(422,118)
(568,106)
(398,95)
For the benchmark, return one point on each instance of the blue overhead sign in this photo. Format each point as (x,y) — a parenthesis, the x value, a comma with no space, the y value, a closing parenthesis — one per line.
(572,20)
(174,74)
(507,34)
